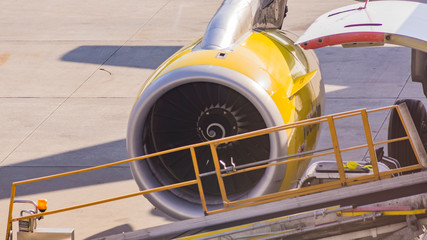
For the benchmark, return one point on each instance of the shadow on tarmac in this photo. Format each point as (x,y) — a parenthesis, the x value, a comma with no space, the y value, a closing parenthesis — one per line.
(125,56)
(65,162)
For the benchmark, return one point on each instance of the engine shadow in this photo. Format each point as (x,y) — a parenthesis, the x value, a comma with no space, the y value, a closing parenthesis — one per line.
(149,57)
(64,162)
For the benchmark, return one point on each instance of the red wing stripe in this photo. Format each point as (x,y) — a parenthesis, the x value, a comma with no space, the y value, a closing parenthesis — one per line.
(343,38)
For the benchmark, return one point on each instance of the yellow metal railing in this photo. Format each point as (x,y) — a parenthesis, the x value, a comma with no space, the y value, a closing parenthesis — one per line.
(221,173)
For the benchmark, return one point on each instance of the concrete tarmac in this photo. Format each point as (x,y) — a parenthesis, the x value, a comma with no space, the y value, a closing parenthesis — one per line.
(70,71)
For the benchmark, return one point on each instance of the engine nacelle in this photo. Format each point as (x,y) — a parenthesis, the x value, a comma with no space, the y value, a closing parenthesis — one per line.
(201,94)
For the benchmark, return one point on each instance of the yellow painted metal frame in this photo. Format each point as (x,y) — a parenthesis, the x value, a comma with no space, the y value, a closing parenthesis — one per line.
(216,234)
(385,213)
(229,205)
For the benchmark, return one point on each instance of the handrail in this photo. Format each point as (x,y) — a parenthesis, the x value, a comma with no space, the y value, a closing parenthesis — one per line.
(221,173)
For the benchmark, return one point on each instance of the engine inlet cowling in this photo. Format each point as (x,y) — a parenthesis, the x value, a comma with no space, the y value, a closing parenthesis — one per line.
(197,104)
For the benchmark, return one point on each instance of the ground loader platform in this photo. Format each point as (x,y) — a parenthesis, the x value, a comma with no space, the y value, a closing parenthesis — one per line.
(364,199)
(314,215)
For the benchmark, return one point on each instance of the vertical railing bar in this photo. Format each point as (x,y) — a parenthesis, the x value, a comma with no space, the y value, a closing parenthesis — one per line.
(218,174)
(199,182)
(369,141)
(9,217)
(337,150)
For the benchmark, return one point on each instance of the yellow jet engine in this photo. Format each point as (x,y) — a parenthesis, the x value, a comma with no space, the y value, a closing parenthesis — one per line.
(245,74)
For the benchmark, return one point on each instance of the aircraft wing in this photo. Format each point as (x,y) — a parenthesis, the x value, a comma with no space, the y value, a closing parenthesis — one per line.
(375,23)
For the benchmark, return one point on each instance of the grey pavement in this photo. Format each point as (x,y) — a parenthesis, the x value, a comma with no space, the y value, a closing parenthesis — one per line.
(69,74)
